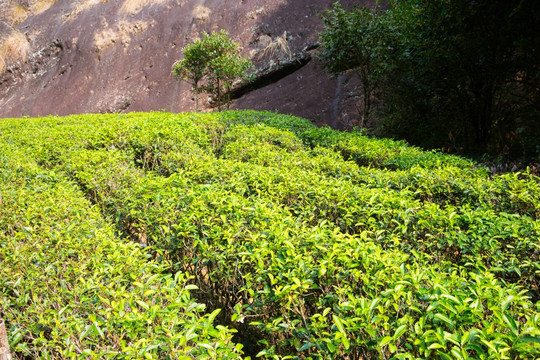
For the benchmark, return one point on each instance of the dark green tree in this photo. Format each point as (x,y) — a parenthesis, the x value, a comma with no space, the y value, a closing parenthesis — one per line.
(350,43)
(463,72)
(456,73)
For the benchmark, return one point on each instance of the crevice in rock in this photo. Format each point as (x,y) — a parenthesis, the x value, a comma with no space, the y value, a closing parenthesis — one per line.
(271,74)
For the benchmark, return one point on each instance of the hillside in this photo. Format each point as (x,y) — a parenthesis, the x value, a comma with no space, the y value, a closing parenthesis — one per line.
(225,235)
(67,57)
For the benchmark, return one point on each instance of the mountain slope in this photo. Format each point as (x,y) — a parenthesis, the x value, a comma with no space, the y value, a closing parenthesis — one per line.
(116,56)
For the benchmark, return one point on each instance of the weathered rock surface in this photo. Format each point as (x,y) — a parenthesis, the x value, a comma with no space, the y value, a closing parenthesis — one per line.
(116,56)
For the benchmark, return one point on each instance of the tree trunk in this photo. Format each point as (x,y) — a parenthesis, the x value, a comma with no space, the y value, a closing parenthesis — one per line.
(481,113)
(228,97)
(4,346)
(196,88)
(218,95)
(366,107)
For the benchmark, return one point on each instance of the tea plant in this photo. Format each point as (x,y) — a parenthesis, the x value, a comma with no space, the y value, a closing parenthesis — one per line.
(311,243)
(70,288)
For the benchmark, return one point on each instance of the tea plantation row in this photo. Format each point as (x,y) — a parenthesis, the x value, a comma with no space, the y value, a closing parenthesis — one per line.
(245,233)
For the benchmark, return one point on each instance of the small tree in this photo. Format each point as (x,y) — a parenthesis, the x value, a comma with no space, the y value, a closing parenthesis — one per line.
(192,68)
(215,61)
(350,42)
(225,70)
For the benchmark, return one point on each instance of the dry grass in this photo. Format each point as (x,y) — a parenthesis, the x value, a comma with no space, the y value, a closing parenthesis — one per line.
(17,14)
(133,6)
(201,13)
(13,48)
(121,35)
(81,6)
(40,6)
(278,47)
(106,38)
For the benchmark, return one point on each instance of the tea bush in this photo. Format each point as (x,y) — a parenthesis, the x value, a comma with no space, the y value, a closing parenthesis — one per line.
(312,243)
(70,288)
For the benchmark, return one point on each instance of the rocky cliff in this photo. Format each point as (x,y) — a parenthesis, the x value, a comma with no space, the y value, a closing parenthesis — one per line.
(64,57)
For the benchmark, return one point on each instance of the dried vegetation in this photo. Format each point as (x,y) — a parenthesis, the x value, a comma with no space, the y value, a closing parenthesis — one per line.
(279,47)
(134,6)
(201,13)
(121,34)
(19,11)
(81,6)
(13,48)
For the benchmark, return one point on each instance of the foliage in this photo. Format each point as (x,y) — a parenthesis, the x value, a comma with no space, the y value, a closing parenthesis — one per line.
(216,59)
(312,243)
(461,71)
(192,68)
(71,288)
(458,74)
(226,66)
(349,42)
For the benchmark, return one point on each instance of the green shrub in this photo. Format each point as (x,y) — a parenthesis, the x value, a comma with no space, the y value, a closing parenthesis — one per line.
(313,244)
(70,288)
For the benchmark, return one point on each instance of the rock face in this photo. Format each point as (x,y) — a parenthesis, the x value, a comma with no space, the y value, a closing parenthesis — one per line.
(116,56)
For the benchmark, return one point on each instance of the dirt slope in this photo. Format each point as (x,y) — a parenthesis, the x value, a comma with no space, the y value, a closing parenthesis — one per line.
(116,56)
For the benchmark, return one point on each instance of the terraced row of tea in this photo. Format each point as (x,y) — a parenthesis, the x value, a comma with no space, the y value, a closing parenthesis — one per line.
(311,243)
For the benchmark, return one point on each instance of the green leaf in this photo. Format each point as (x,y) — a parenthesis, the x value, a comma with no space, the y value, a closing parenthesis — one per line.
(206,346)
(476,348)
(213,315)
(142,304)
(489,345)
(400,331)
(345,342)
(530,339)
(507,301)
(338,323)
(385,340)
(306,346)
(450,297)
(511,323)
(457,353)
(98,329)
(444,319)
(331,347)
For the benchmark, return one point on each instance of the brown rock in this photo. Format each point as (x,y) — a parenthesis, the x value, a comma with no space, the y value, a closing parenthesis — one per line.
(116,56)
